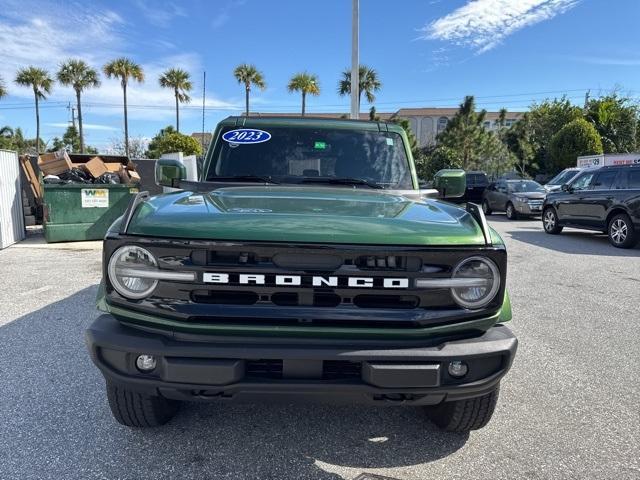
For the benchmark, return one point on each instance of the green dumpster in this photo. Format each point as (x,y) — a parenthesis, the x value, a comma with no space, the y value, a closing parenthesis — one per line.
(76,212)
(84,211)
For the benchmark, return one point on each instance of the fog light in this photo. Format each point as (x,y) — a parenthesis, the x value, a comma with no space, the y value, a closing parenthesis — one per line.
(458,369)
(146,363)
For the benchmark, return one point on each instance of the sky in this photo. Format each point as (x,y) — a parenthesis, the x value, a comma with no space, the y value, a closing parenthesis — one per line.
(428,53)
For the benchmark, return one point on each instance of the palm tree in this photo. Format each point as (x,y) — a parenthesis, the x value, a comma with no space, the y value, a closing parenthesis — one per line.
(125,70)
(40,81)
(249,75)
(368,82)
(306,83)
(179,80)
(3,88)
(80,76)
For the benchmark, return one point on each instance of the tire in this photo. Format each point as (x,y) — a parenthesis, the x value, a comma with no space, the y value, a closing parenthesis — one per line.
(464,415)
(134,409)
(550,221)
(621,232)
(486,208)
(511,212)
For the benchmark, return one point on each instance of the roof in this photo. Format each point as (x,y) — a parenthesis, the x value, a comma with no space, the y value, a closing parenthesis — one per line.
(447,112)
(344,115)
(319,122)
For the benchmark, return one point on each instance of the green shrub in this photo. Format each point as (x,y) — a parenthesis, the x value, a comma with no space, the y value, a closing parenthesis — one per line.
(576,138)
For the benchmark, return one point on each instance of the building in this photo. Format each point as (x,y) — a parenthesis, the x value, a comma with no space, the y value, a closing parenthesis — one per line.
(426,123)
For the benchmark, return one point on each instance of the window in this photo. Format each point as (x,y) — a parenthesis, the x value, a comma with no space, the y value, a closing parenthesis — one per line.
(633,178)
(487,124)
(525,186)
(604,180)
(294,153)
(583,181)
(477,179)
(442,123)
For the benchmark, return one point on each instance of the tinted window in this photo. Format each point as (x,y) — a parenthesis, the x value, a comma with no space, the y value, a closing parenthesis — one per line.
(525,186)
(583,181)
(477,179)
(563,177)
(633,178)
(294,153)
(604,180)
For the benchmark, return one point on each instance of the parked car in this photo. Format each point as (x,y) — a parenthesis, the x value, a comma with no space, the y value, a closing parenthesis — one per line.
(564,177)
(515,197)
(477,182)
(305,263)
(605,199)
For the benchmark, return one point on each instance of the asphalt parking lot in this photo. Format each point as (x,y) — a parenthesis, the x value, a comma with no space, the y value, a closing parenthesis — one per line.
(568,409)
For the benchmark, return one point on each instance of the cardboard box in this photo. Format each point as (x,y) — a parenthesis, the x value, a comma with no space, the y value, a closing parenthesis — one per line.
(113,167)
(54,163)
(135,176)
(95,167)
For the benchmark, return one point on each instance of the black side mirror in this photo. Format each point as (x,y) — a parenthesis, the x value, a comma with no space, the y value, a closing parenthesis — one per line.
(566,188)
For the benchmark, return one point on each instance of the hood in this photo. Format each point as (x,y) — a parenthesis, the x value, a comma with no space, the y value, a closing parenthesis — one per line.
(531,195)
(306,215)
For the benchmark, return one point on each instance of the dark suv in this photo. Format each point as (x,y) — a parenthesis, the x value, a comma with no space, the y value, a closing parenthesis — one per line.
(606,199)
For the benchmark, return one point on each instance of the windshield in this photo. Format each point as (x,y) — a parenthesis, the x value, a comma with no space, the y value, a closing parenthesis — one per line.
(525,186)
(299,154)
(563,177)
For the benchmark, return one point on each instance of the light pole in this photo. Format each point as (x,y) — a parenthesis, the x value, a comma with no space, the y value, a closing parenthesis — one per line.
(355,61)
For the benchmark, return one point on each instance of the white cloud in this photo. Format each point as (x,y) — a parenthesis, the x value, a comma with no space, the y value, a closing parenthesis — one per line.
(33,32)
(85,126)
(160,14)
(483,24)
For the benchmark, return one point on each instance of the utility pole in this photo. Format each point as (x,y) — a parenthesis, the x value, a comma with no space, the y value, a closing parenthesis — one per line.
(355,60)
(204,88)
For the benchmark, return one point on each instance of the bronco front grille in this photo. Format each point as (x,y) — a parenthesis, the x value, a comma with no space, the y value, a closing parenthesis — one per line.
(324,296)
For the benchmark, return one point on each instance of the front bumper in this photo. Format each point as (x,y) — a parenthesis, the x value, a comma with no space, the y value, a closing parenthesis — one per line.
(528,209)
(197,370)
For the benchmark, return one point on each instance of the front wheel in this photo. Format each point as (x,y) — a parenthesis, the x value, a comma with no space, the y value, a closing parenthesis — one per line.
(511,212)
(486,208)
(621,232)
(134,409)
(550,221)
(464,415)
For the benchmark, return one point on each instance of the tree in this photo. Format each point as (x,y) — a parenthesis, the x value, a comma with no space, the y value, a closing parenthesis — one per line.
(137,147)
(368,83)
(616,120)
(11,139)
(518,139)
(465,134)
(576,138)
(306,84)
(125,70)
(80,76)
(545,120)
(41,83)
(168,140)
(434,158)
(70,141)
(3,88)
(180,81)
(249,75)
(406,126)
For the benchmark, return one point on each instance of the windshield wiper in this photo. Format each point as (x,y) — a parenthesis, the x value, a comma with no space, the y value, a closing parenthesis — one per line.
(342,181)
(244,178)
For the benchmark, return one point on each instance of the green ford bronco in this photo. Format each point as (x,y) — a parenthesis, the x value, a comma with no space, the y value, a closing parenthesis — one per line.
(305,264)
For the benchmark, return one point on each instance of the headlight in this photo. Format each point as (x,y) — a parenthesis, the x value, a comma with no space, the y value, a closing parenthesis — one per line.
(520,199)
(483,282)
(127,271)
